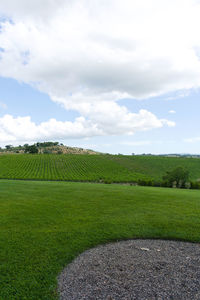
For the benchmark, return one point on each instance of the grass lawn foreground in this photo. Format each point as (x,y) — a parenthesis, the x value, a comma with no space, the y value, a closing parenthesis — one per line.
(44,225)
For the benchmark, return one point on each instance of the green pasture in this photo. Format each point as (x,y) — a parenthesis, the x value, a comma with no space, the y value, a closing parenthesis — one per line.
(44,225)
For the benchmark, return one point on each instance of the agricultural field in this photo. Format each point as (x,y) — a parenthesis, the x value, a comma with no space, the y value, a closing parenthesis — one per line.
(96,168)
(44,225)
(156,166)
(64,167)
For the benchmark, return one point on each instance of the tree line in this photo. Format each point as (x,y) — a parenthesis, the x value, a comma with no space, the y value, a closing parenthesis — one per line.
(33,149)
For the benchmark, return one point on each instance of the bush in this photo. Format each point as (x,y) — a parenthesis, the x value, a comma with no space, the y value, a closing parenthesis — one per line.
(156,183)
(108,181)
(149,182)
(146,182)
(165,183)
(195,185)
(142,182)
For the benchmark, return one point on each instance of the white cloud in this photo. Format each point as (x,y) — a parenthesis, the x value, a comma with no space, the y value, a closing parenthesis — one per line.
(115,119)
(24,129)
(95,47)
(86,55)
(34,9)
(172,111)
(192,140)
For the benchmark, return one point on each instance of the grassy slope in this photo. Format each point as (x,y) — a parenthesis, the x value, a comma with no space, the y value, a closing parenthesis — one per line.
(92,167)
(44,225)
(156,166)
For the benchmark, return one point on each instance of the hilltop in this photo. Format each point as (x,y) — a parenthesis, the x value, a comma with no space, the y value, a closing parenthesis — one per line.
(46,148)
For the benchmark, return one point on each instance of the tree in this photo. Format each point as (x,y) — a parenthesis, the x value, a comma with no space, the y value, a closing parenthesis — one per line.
(46,144)
(176,177)
(8,147)
(31,149)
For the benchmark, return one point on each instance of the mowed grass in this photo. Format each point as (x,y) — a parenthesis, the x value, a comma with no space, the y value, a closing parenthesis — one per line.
(44,225)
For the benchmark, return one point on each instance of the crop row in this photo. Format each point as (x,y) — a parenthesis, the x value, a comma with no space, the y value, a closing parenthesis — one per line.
(64,167)
(115,168)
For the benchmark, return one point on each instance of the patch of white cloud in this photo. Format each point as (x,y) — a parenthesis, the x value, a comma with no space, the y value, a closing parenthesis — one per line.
(142,48)
(172,111)
(87,55)
(24,129)
(115,119)
(37,10)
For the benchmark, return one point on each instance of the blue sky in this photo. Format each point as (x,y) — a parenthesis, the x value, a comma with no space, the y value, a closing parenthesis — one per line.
(23,100)
(77,76)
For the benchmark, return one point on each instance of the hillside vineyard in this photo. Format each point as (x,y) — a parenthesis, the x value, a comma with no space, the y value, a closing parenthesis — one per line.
(94,168)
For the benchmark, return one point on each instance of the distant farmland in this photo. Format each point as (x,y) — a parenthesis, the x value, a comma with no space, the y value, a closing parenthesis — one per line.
(94,168)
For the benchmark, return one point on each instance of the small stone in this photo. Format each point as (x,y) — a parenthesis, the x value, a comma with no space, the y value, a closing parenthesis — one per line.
(145,249)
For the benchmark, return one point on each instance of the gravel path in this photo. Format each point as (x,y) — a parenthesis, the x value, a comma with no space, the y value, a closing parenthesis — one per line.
(134,269)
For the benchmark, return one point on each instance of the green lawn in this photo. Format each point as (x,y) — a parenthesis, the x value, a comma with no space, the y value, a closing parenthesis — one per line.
(44,225)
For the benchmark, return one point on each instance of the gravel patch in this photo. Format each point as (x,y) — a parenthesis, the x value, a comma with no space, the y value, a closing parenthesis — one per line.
(134,269)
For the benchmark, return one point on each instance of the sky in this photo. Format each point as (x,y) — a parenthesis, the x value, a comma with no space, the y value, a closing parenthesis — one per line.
(116,76)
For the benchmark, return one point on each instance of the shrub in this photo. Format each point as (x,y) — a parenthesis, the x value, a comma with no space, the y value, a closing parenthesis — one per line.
(108,181)
(149,183)
(156,183)
(195,185)
(141,182)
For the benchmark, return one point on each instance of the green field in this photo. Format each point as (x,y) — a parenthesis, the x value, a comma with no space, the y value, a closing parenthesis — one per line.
(44,225)
(116,168)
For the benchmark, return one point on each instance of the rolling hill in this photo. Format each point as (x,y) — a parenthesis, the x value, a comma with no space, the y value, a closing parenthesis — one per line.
(94,168)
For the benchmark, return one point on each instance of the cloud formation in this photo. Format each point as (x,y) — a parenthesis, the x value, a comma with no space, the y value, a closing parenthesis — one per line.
(87,55)
(24,129)
(139,48)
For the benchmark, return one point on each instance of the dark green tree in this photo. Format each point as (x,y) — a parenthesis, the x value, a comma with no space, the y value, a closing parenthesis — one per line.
(31,149)
(176,177)
(8,147)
